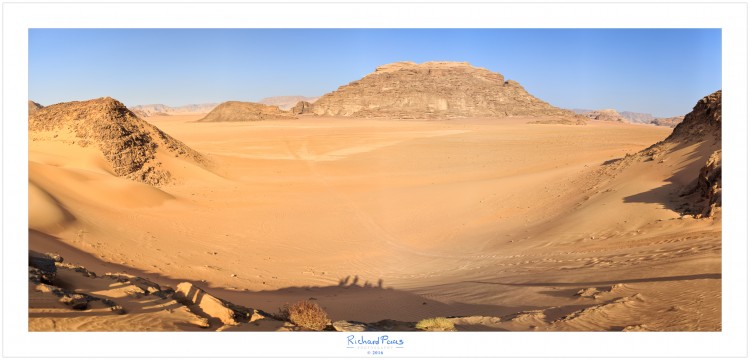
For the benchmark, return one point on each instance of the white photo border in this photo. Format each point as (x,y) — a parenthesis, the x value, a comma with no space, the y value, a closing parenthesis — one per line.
(18,18)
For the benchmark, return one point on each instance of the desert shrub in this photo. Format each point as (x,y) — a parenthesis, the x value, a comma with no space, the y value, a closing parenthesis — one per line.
(436,324)
(306,314)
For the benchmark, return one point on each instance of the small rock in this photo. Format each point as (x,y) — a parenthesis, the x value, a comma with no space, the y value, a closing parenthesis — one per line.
(350,326)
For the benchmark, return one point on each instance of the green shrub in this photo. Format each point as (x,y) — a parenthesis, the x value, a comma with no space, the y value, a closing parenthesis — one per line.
(436,324)
(306,314)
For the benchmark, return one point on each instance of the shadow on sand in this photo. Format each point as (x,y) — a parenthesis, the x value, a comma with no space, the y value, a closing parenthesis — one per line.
(668,195)
(352,299)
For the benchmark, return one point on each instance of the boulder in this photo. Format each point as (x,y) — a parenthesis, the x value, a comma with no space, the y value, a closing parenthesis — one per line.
(44,267)
(207,305)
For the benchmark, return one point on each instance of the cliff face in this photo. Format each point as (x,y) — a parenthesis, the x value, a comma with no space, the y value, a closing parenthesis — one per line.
(433,90)
(703,124)
(128,143)
(704,120)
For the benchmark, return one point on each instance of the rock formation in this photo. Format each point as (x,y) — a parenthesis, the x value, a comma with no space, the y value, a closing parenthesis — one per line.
(245,111)
(670,121)
(702,197)
(302,107)
(703,124)
(207,305)
(129,144)
(33,107)
(433,90)
(605,115)
(286,102)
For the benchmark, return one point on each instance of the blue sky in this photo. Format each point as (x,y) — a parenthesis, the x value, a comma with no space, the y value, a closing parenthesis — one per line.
(658,71)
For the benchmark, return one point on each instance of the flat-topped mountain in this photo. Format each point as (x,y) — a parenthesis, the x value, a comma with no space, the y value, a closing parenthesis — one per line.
(245,111)
(433,90)
(130,145)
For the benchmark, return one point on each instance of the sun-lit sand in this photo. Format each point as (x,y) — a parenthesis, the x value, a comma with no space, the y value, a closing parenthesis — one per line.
(403,220)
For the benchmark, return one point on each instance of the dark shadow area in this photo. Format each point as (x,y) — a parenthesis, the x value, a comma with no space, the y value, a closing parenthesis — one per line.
(67,215)
(668,195)
(348,300)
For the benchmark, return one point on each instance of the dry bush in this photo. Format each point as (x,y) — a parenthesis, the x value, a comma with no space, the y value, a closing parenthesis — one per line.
(306,314)
(436,324)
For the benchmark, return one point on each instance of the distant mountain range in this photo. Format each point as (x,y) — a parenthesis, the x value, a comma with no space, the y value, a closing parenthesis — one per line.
(286,102)
(283,102)
(161,109)
(628,116)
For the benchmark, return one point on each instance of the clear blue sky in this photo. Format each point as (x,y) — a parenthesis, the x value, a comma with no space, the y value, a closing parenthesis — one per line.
(658,71)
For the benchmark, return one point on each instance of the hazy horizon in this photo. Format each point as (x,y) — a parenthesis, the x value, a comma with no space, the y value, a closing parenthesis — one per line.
(658,71)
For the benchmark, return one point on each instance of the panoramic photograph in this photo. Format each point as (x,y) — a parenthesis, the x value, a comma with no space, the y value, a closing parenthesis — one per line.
(355,180)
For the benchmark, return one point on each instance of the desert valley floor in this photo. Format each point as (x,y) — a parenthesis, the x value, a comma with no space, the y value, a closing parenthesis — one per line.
(507,224)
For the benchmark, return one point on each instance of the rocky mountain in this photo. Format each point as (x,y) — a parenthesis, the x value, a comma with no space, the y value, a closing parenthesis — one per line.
(433,90)
(629,116)
(161,109)
(286,102)
(605,115)
(129,144)
(33,107)
(703,121)
(245,111)
(703,124)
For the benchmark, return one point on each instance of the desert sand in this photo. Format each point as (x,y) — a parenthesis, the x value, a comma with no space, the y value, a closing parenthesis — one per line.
(504,224)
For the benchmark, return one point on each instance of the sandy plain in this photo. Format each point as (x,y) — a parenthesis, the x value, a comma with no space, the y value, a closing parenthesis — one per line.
(404,220)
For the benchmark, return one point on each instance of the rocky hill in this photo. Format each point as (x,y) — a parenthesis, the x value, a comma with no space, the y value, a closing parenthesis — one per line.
(33,107)
(129,144)
(286,102)
(302,107)
(704,121)
(670,121)
(433,90)
(245,111)
(605,115)
(701,127)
